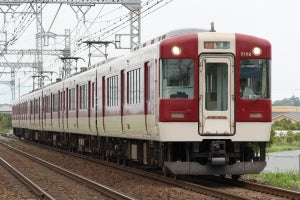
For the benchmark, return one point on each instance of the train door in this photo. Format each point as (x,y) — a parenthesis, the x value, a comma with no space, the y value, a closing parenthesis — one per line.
(149,96)
(40,111)
(146,92)
(44,111)
(60,114)
(67,107)
(63,108)
(77,105)
(122,99)
(216,100)
(89,103)
(103,102)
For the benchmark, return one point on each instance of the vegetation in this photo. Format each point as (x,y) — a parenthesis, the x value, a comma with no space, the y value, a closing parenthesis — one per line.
(285,142)
(282,142)
(293,101)
(5,122)
(289,180)
(286,124)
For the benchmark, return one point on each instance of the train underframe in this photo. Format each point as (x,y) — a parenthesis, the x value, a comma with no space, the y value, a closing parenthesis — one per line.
(208,157)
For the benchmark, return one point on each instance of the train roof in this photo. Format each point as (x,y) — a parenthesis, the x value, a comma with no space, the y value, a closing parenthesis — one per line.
(186,31)
(170,34)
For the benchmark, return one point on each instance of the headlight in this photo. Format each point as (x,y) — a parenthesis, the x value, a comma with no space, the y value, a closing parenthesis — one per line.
(256,51)
(176,51)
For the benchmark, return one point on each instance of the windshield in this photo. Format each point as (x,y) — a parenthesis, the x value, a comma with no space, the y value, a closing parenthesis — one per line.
(255,78)
(177,78)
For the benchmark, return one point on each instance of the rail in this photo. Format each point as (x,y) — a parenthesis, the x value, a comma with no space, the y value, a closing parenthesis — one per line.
(90,183)
(34,187)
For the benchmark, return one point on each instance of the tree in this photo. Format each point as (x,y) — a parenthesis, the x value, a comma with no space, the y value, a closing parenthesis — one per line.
(293,101)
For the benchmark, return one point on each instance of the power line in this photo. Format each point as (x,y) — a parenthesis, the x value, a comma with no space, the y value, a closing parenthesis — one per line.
(115,24)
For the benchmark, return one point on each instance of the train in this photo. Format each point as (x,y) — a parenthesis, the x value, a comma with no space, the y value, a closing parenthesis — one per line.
(189,102)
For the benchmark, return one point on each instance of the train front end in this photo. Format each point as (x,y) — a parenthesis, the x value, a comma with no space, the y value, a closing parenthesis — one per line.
(215,105)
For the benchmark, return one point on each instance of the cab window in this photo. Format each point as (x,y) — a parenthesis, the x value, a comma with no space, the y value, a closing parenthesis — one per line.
(255,78)
(177,78)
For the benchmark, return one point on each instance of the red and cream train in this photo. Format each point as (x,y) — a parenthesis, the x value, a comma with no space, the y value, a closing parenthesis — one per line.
(175,102)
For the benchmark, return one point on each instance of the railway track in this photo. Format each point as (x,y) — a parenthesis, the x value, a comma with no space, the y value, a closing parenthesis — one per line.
(29,183)
(242,190)
(249,190)
(94,189)
(272,192)
(133,188)
(264,189)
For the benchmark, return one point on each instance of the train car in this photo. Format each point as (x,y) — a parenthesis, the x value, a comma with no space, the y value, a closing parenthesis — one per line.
(190,101)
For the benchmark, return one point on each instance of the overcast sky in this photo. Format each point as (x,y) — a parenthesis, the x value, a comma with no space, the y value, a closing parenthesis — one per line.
(276,21)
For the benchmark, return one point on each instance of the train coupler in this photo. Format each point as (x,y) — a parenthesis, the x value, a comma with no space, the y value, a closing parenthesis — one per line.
(217,154)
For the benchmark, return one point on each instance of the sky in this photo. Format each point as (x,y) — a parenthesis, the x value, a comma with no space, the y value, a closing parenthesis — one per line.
(276,21)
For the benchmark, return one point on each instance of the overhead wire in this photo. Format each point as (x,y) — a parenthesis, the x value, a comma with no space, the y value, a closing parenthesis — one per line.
(23,24)
(121,24)
(115,25)
(116,22)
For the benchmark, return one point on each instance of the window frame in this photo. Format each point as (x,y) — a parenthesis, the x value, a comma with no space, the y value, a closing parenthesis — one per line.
(113,91)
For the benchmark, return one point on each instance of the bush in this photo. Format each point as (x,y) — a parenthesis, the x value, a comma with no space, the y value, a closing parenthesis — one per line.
(5,122)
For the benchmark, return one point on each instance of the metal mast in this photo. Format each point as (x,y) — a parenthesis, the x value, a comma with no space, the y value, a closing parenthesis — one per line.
(134,6)
(39,45)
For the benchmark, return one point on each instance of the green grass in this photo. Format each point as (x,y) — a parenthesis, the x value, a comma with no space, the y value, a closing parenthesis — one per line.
(283,147)
(5,130)
(288,180)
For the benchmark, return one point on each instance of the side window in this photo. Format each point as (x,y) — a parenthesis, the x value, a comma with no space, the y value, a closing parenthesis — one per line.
(72,99)
(134,86)
(83,97)
(63,100)
(48,103)
(177,78)
(55,102)
(36,102)
(93,94)
(112,91)
(31,107)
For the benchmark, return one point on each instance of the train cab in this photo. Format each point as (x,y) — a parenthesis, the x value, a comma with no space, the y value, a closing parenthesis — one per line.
(215,93)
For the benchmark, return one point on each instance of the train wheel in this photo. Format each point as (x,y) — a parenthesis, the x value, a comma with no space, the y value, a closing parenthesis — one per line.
(166,173)
(235,177)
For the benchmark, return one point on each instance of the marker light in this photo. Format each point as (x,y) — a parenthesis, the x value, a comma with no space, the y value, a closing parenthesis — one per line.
(255,115)
(257,51)
(177,115)
(176,51)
